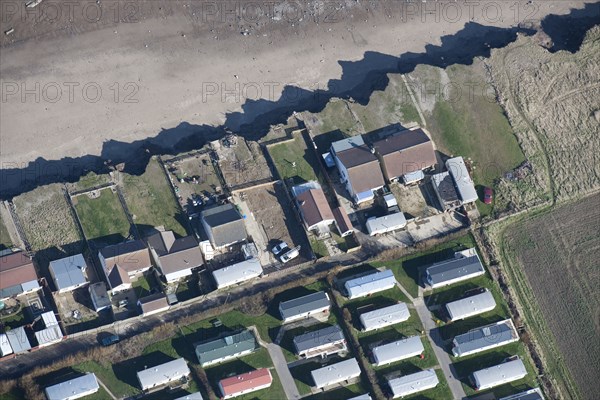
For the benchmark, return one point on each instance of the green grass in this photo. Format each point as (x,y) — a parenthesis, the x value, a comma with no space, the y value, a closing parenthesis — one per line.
(14,394)
(406,269)
(319,248)
(102,218)
(91,180)
(284,156)
(107,375)
(336,116)
(5,241)
(144,285)
(151,202)
(15,320)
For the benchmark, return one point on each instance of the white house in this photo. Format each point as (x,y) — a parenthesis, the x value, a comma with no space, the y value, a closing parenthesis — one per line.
(237,273)
(471,306)
(464,184)
(369,284)
(175,258)
(314,207)
(385,224)
(385,316)
(508,371)
(336,373)
(163,374)
(398,350)
(413,383)
(484,338)
(74,388)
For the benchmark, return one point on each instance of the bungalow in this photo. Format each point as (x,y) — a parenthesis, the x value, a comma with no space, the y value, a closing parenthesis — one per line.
(224,225)
(225,348)
(313,206)
(404,153)
(69,273)
(385,224)
(123,261)
(336,373)
(99,296)
(458,269)
(413,383)
(365,396)
(17,338)
(385,316)
(323,342)
(443,186)
(160,375)
(153,304)
(342,221)
(304,307)
(74,388)
(17,275)
(398,350)
(508,371)
(531,394)
(464,184)
(175,258)
(359,168)
(484,338)
(245,383)
(471,306)
(369,284)
(237,273)
(192,396)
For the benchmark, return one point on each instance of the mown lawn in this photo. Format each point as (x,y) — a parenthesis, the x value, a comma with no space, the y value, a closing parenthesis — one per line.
(106,374)
(102,218)
(151,201)
(295,160)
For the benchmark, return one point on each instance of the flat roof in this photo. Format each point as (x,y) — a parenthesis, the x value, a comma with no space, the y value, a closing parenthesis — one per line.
(5,348)
(99,294)
(531,394)
(464,184)
(398,350)
(218,348)
(385,316)
(376,281)
(49,335)
(163,373)
(454,268)
(413,383)
(335,373)
(69,271)
(414,176)
(191,396)
(386,223)
(18,340)
(471,305)
(365,396)
(239,272)
(348,143)
(304,304)
(481,338)
(498,374)
(321,337)
(86,384)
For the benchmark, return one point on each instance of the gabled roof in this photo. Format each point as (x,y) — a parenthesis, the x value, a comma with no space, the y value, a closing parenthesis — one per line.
(176,254)
(247,381)
(191,396)
(335,373)
(154,302)
(363,168)
(131,256)
(531,394)
(304,304)
(82,385)
(413,383)
(342,220)
(321,337)
(163,373)
(236,273)
(16,269)
(406,152)
(385,316)
(118,276)
(464,184)
(398,350)
(471,305)
(498,374)
(314,207)
(18,340)
(226,224)
(482,338)
(454,268)
(69,271)
(377,281)
(225,346)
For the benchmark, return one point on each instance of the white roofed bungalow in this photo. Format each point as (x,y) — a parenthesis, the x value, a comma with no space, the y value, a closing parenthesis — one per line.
(385,224)
(413,383)
(484,338)
(464,184)
(74,388)
(383,317)
(369,284)
(163,374)
(398,350)
(465,265)
(237,273)
(531,394)
(508,371)
(336,373)
(471,306)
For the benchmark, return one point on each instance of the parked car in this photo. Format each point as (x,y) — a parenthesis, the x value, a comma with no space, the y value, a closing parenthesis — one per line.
(290,255)
(488,195)
(280,248)
(109,340)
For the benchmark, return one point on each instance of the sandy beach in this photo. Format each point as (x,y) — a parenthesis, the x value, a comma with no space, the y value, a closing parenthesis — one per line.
(71,84)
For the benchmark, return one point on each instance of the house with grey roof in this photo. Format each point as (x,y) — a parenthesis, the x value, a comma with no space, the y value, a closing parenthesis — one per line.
(336,373)
(322,342)
(484,338)
(530,394)
(153,304)
(160,375)
(462,180)
(5,348)
(508,371)
(191,396)
(69,273)
(223,225)
(175,258)
(460,268)
(471,306)
(387,223)
(397,351)
(230,346)
(445,191)
(74,388)
(304,307)
(385,316)
(17,338)
(370,283)
(99,296)
(413,383)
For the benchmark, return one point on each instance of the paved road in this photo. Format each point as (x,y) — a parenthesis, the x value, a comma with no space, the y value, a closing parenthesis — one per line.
(287,381)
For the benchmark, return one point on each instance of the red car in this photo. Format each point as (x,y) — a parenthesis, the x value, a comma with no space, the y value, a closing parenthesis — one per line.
(488,195)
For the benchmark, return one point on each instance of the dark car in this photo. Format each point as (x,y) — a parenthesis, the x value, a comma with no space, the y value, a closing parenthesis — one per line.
(109,340)
(488,195)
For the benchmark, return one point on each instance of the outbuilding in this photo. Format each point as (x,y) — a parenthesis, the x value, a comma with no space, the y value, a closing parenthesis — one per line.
(52,332)
(385,316)
(245,383)
(163,374)
(336,373)
(69,273)
(153,304)
(458,269)
(398,350)
(323,342)
(304,307)
(74,388)
(385,224)
(224,348)
(413,383)
(508,371)
(471,306)
(369,284)
(237,273)
(485,338)
(99,296)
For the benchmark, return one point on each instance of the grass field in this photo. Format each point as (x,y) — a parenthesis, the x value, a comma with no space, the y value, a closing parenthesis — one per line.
(337,117)
(151,202)
(89,181)
(5,241)
(106,374)
(102,218)
(552,263)
(286,155)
